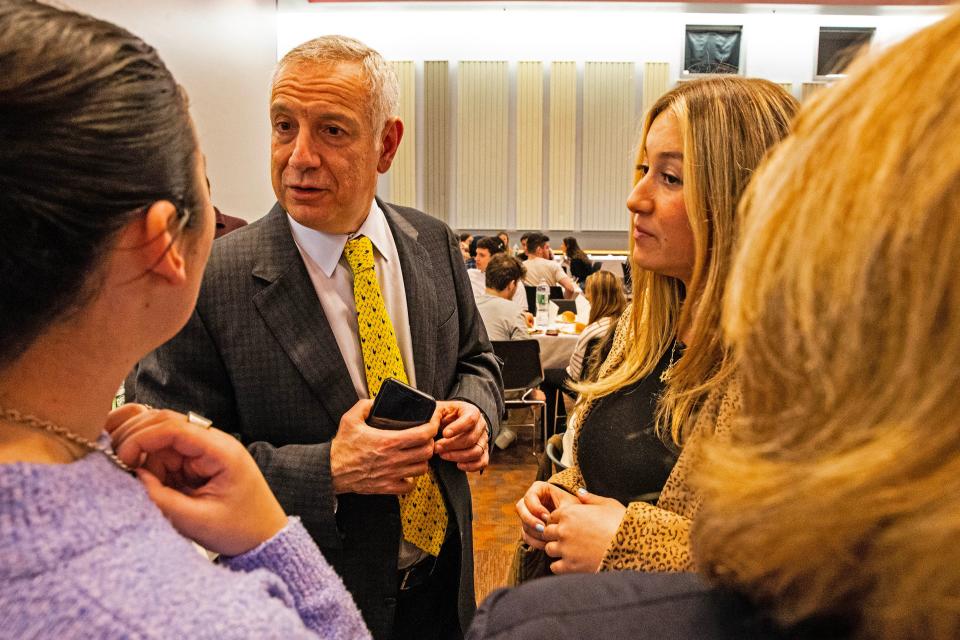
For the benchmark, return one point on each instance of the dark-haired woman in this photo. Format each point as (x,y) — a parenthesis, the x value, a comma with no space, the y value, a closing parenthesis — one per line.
(107,227)
(577,260)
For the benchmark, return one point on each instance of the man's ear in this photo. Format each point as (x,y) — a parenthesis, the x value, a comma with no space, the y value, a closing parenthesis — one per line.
(390,140)
(163,254)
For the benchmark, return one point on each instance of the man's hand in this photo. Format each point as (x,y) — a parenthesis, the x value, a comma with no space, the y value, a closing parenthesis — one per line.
(364,459)
(578,535)
(465,439)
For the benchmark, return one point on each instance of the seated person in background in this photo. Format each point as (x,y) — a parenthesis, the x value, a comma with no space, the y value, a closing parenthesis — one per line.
(487,248)
(831,510)
(95,273)
(522,256)
(465,240)
(607,302)
(501,317)
(541,267)
(667,344)
(505,239)
(576,260)
(472,252)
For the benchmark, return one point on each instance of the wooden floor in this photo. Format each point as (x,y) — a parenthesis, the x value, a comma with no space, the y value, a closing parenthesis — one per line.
(496,528)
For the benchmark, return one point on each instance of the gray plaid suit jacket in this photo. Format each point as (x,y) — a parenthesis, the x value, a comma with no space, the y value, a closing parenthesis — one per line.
(259,359)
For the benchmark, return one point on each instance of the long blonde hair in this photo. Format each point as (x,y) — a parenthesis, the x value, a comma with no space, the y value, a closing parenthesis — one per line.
(727,125)
(605,294)
(839,494)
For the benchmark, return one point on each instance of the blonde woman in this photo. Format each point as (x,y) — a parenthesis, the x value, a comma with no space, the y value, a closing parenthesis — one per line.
(607,302)
(700,144)
(832,510)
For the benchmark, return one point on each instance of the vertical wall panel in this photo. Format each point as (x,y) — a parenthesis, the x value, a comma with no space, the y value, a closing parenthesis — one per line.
(656,82)
(609,129)
(529,145)
(482,155)
(807,89)
(562,181)
(403,172)
(436,139)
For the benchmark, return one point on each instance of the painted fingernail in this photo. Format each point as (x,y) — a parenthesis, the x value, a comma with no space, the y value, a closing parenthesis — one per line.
(539,528)
(581,491)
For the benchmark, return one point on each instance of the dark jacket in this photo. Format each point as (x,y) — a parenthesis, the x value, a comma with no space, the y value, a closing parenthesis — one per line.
(259,359)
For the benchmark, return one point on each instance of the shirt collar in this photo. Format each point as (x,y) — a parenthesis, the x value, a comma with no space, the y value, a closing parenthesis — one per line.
(325,249)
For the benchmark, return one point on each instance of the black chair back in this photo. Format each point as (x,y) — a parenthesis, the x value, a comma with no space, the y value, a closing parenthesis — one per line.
(556,291)
(521,363)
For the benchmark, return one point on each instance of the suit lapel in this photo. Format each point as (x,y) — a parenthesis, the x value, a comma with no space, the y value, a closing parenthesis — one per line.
(289,306)
(415,263)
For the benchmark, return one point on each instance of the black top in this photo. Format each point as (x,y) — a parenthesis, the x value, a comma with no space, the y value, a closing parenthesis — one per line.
(630,604)
(580,269)
(619,452)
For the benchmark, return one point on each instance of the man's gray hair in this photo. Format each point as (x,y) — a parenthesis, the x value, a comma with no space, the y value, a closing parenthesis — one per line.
(381,81)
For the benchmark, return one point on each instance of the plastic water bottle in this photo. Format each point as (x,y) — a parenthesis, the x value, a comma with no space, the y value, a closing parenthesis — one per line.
(543,304)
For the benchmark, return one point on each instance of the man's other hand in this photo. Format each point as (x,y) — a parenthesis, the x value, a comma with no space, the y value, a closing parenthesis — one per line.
(364,459)
(465,438)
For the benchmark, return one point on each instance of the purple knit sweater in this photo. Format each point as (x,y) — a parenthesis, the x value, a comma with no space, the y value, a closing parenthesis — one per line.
(84,553)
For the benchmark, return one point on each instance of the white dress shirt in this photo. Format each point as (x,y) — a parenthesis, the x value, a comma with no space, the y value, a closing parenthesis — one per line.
(332,278)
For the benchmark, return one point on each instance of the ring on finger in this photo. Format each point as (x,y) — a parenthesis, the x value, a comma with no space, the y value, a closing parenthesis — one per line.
(199,420)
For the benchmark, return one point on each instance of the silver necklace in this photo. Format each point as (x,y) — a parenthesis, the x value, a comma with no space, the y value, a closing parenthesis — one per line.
(12,415)
(665,375)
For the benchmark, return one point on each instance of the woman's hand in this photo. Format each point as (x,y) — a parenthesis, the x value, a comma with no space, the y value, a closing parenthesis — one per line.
(580,534)
(535,507)
(203,480)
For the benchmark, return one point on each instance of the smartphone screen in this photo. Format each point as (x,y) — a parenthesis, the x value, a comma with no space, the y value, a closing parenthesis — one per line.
(399,406)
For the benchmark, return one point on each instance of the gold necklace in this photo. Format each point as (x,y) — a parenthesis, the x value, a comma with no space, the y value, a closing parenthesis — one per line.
(12,415)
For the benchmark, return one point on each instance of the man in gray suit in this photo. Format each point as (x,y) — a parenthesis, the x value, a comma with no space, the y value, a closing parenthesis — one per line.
(273,350)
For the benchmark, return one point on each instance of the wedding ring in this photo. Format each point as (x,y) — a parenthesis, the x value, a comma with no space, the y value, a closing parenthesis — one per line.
(199,420)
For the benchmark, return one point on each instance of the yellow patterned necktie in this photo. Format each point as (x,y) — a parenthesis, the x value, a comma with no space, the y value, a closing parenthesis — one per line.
(422,512)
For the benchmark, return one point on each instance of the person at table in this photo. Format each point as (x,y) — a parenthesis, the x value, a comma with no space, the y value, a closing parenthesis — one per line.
(576,259)
(465,240)
(667,345)
(522,256)
(488,247)
(831,510)
(505,239)
(305,312)
(107,226)
(607,302)
(541,267)
(501,317)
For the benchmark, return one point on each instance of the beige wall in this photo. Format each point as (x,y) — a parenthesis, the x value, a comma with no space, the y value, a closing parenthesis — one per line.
(222,52)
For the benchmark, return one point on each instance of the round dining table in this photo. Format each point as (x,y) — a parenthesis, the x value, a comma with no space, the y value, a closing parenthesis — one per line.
(555,351)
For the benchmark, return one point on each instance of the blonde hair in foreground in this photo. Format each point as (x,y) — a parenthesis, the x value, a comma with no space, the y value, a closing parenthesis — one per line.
(727,125)
(839,494)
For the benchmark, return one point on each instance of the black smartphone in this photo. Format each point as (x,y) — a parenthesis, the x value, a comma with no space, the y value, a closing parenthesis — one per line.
(400,406)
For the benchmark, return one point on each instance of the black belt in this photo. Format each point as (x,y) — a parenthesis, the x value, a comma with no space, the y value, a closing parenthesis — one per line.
(417,574)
